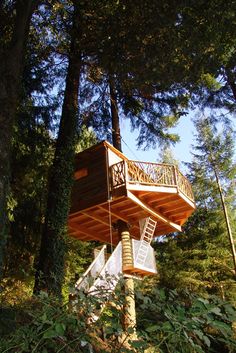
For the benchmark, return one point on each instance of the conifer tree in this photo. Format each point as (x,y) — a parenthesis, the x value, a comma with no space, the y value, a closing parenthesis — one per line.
(200,258)
(50,266)
(216,152)
(15,17)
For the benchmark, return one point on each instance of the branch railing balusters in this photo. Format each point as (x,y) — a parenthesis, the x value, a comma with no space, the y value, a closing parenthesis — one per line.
(145,173)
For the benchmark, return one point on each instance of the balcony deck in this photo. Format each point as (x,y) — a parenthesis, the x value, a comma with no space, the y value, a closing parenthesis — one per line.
(135,190)
(150,177)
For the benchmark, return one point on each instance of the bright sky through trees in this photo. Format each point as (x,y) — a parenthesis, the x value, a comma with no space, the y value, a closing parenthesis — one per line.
(181,150)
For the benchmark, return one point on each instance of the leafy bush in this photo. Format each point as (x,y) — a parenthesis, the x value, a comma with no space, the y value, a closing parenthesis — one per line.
(167,321)
(185,323)
(44,325)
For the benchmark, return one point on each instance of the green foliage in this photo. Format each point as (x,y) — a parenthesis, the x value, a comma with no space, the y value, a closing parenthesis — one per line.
(200,259)
(167,321)
(183,322)
(78,258)
(44,326)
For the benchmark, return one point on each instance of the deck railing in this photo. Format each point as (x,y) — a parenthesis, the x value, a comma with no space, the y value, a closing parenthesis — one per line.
(146,173)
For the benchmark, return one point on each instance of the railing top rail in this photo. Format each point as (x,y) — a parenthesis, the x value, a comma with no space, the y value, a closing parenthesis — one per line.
(152,163)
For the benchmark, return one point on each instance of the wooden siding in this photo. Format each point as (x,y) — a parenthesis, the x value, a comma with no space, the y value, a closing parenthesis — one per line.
(90,189)
(136,190)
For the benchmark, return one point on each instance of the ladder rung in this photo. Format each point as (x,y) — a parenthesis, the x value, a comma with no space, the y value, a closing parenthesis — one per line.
(148,239)
(143,246)
(149,232)
(141,256)
(144,242)
(151,226)
(142,250)
(148,235)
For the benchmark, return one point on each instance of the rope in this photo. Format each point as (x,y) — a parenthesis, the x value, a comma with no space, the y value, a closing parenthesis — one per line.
(109,205)
(136,157)
(110,224)
(108,192)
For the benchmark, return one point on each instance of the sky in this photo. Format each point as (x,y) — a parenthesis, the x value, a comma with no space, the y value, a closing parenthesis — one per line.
(181,150)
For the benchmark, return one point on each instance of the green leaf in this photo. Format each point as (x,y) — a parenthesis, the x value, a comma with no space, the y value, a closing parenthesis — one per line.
(153,328)
(44,317)
(60,329)
(166,326)
(137,344)
(206,341)
(221,325)
(216,311)
(162,294)
(50,333)
(199,333)
(204,301)
(230,311)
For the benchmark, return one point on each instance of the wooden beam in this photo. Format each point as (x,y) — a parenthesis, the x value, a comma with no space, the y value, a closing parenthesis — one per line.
(118,215)
(185,198)
(80,229)
(164,201)
(97,218)
(76,214)
(152,188)
(183,219)
(115,214)
(88,235)
(175,211)
(155,214)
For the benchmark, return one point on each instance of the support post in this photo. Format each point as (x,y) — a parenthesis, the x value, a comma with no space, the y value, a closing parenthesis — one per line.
(127,263)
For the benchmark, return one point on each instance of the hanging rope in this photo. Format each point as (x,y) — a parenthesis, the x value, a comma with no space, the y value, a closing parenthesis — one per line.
(109,204)
(136,157)
(110,224)
(108,191)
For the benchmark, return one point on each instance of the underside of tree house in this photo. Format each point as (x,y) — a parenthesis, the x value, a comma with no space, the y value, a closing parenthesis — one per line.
(109,187)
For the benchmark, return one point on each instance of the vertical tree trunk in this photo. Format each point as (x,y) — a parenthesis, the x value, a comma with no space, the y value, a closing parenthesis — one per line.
(231,77)
(233,88)
(50,267)
(116,138)
(129,314)
(11,64)
(230,235)
(123,230)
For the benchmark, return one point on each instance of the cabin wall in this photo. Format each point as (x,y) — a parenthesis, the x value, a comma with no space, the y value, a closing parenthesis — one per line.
(113,158)
(90,188)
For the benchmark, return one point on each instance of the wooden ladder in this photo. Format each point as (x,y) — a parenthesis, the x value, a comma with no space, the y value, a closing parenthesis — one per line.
(145,240)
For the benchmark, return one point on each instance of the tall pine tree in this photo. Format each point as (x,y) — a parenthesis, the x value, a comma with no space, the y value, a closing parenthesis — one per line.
(200,258)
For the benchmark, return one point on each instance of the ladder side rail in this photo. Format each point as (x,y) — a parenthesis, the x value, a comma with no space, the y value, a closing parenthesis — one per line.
(145,240)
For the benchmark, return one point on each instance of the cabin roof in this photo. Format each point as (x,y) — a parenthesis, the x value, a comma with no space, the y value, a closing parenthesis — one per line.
(98,146)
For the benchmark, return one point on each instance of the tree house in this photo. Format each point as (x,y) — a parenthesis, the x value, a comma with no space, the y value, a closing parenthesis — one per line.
(109,188)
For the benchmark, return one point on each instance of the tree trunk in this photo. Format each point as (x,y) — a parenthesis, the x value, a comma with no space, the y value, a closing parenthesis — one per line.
(229,231)
(129,319)
(11,58)
(116,138)
(50,267)
(231,81)
(233,88)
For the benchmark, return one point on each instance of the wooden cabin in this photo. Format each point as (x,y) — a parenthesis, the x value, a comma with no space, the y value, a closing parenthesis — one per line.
(109,187)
